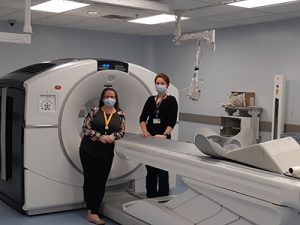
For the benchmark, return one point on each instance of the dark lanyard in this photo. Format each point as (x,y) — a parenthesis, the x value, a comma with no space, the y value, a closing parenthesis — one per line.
(157,104)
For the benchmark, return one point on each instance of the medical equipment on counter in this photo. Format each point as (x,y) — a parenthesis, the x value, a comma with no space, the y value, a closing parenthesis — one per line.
(221,191)
(244,126)
(278,117)
(41,118)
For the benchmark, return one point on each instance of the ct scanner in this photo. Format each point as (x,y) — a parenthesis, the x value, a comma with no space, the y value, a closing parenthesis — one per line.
(42,108)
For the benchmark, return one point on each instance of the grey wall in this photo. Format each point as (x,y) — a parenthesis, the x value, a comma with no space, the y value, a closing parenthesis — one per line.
(246,59)
(50,43)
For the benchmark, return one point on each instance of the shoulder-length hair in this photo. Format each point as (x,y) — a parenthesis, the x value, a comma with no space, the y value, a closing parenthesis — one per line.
(164,77)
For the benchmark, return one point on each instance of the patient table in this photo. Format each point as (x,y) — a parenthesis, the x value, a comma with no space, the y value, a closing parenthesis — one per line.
(221,191)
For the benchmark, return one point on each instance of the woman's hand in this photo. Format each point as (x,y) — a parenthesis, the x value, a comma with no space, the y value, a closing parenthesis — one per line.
(146,133)
(110,138)
(103,139)
(161,136)
(93,138)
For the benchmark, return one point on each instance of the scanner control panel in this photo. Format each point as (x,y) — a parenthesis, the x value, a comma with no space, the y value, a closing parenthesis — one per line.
(47,103)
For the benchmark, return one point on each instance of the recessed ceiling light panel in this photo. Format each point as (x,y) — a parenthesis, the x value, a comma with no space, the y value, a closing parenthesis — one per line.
(58,6)
(162,18)
(259,3)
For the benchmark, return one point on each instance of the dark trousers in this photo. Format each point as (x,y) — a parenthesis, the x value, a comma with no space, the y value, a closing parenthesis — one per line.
(157,182)
(95,171)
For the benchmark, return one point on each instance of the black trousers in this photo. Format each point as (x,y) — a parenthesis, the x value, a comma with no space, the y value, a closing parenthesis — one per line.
(157,182)
(95,171)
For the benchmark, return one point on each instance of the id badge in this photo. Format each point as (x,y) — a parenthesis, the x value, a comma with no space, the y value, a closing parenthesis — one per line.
(156,121)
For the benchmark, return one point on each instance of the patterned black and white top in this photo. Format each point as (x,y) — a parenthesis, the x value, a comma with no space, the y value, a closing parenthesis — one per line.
(94,128)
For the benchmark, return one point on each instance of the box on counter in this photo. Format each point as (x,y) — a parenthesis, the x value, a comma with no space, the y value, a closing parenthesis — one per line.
(249,97)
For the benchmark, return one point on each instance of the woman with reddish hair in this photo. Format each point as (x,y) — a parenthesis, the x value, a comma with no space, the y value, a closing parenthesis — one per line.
(158,119)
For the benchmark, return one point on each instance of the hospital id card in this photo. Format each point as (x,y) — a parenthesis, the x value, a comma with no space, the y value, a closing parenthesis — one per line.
(156,121)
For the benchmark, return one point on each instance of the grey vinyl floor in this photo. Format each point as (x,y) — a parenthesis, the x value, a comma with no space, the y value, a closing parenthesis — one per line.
(9,216)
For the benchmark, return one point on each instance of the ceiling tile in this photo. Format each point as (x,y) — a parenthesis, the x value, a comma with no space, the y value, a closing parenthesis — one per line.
(261,19)
(233,16)
(108,10)
(212,10)
(18,4)
(281,9)
(186,4)
(204,24)
(91,23)
(145,31)
(204,14)
(59,19)
(294,14)
(19,15)
(6,11)
(120,26)
(212,1)
(13,4)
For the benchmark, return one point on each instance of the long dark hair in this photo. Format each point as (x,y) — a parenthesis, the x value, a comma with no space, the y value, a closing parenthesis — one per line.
(101,103)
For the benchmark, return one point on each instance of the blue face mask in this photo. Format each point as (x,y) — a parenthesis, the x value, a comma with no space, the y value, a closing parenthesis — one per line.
(109,102)
(161,89)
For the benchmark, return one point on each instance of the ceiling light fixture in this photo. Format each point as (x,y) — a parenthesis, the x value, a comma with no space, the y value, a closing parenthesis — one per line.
(162,18)
(259,3)
(137,4)
(92,12)
(58,6)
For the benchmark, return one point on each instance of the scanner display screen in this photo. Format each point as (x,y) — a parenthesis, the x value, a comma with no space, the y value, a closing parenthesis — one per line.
(112,65)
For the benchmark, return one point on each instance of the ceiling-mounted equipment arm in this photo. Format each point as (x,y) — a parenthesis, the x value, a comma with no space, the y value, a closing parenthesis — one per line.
(27,27)
(177,31)
(24,37)
(203,38)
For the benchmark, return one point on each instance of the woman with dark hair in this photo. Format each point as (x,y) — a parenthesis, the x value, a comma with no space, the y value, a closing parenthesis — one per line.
(158,119)
(102,126)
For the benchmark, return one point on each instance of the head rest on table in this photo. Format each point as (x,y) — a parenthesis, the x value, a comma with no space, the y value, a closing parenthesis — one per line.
(275,155)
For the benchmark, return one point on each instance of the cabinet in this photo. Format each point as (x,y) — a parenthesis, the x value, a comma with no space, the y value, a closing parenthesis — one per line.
(244,127)
(230,126)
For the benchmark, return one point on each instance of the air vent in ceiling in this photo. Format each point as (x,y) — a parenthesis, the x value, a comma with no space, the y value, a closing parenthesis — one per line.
(117,17)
